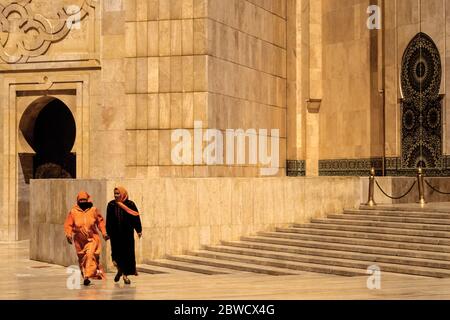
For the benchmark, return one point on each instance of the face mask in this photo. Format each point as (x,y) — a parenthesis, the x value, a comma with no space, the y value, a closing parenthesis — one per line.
(85,205)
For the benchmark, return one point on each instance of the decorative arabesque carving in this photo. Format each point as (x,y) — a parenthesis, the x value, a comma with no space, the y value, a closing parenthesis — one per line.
(421,105)
(25,34)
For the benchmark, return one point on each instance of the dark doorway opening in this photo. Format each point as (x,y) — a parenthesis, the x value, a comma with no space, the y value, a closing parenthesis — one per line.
(49,128)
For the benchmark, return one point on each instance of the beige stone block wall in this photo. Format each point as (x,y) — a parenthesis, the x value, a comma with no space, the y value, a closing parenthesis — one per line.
(109,114)
(304,81)
(392,85)
(247,71)
(166,81)
(352,70)
(294,116)
(180,214)
(219,62)
(350,117)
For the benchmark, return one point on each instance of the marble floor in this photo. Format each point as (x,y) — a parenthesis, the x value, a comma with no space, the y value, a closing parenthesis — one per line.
(26,279)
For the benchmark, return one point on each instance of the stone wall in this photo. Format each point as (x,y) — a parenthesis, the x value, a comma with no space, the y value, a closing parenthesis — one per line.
(166,81)
(50,203)
(221,63)
(350,114)
(247,72)
(184,213)
(351,111)
(304,81)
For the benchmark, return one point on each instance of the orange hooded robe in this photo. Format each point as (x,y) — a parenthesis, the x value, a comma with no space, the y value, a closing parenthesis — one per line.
(82,227)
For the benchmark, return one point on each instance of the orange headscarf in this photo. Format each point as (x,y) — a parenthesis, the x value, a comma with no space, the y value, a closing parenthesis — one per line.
(83,195)
(124,197)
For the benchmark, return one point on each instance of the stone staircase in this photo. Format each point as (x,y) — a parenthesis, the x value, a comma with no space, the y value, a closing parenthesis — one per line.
(397,240)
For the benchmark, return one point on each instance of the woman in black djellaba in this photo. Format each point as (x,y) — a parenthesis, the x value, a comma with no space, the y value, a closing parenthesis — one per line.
(122,219)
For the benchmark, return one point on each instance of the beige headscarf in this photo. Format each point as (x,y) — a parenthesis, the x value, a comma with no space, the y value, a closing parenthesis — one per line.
(124,197)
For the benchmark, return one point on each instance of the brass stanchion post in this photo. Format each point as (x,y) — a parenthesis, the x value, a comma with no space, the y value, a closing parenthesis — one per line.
(421,185)
(371,201)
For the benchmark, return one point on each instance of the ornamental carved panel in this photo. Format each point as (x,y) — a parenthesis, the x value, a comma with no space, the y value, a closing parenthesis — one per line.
(421,105)
(26,34)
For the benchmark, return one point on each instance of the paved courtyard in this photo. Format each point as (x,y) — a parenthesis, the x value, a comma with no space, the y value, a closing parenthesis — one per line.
(26,279)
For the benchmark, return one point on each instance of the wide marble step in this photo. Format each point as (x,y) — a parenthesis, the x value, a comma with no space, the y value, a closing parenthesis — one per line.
(431,215)
(281,258)
(367,235)
(288,266)
(144,268)
(189,267)
(380,218)
(369,229)
(360,242)
(152,269)
(411,226)
(349,248)
(405,240)
(403,208)
(372,258)
(240,266)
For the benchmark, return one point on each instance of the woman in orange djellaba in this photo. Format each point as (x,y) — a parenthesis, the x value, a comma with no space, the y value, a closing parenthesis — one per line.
(81,228)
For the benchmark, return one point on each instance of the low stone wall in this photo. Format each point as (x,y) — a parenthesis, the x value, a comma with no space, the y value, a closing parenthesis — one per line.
(398,186)
(181,214)
(50,202)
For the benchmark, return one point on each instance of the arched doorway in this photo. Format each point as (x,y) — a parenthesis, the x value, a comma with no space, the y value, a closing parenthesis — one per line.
(421,134)
(48,129)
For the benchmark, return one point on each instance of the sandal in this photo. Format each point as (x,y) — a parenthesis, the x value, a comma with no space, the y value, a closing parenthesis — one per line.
(126,281)
(117,277)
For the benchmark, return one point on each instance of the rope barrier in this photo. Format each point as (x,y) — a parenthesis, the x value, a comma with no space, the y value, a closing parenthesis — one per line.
(433,188)
(396,198)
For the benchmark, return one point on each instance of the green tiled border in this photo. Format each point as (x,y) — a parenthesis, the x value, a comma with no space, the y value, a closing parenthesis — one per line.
(392,168)
(350,167)
(296,168)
